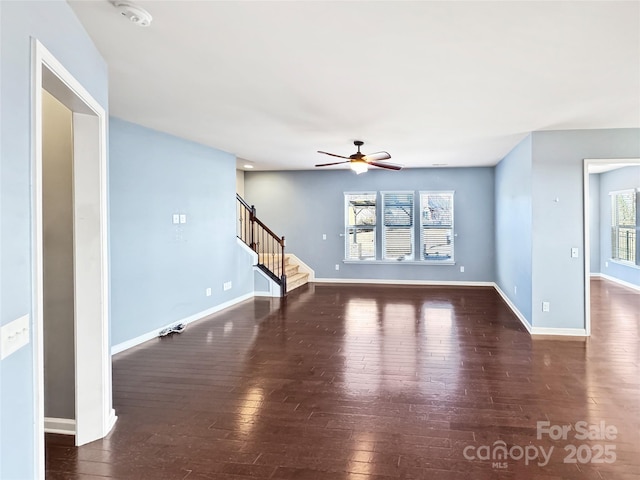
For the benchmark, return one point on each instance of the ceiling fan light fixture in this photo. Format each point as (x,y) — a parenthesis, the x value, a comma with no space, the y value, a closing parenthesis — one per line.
(359,167)
(359,162)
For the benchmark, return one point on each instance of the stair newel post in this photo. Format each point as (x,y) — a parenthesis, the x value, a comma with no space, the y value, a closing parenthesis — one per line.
(282,271)
(252,218)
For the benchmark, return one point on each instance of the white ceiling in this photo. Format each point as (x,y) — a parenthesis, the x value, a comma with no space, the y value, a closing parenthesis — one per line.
(449,82)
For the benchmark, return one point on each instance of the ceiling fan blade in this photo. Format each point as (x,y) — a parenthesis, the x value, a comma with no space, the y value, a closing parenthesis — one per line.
(334,163)
(333,154)
(377,157)
(390,166)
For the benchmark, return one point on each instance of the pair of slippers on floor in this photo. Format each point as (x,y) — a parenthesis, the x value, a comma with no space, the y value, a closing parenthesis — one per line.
(179,328)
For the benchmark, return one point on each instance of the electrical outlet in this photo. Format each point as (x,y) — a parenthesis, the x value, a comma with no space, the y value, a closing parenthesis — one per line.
(176,218)
(183,218)
(324,236)
(337,267)
(461,269)
(208,292)
(606,264)
(574,252)
(545,306)
(227,286)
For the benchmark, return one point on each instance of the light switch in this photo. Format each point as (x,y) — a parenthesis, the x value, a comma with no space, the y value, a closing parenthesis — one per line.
(14,336)
(176,218)
(183,218)
(324,236)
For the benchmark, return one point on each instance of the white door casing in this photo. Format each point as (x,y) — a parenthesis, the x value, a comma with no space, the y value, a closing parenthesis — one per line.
(94,413)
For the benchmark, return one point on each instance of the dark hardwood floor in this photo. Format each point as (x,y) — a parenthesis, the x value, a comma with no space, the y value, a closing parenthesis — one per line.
(354,382)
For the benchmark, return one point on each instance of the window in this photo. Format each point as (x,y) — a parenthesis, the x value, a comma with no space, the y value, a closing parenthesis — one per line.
(397,232)
(360,223)
(436,216)
(623,225)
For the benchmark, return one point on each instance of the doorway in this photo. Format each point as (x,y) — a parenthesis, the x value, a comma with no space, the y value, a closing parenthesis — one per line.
(93,413)
(591,166)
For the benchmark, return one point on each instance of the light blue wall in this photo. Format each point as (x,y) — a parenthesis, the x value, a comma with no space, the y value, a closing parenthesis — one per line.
(594,223)
(304,205)
(558,159)
(513,226)
(160,271)
(56,26)
(621,179)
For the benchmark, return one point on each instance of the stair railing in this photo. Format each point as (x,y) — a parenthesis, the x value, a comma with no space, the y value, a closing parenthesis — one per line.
(261,239)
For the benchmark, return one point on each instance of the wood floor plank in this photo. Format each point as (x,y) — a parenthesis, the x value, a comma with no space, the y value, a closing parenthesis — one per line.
(369,382)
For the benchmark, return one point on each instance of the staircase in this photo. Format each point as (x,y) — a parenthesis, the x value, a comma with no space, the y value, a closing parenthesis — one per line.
(295,278)
(272,261)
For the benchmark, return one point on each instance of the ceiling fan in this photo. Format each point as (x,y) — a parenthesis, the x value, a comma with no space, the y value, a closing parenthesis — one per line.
(360,162)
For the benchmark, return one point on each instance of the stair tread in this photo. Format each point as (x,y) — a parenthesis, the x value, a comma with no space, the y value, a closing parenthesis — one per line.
(298,275)
(295,278)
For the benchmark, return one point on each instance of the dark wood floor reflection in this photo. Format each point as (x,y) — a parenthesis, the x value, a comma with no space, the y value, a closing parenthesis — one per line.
(346,382)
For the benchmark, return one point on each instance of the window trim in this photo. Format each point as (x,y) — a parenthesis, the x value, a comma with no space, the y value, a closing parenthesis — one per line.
(453,221)
(412,227)
(615,224)
(347,226)
(417,229)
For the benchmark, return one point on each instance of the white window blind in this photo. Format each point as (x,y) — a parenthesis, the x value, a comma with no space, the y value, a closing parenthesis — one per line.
(623,225)
(360,226)
(436,216)
(397,234)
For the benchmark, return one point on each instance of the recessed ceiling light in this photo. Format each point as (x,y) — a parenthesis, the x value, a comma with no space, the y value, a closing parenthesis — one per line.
(248,166)
(133,12)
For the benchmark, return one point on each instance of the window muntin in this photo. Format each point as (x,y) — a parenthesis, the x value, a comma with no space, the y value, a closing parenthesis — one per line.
(360,226)
(624,217)
(397,231)
(436,217)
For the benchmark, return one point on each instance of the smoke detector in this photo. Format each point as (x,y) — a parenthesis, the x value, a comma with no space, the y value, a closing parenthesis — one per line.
(134,13)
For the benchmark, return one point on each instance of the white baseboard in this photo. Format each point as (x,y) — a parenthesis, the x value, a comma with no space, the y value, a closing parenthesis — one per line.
(622,283)
(61,426)
(111,421)
(570,332)
(378,281)
(121,347)
(513,308)
(266,294)
(564,332)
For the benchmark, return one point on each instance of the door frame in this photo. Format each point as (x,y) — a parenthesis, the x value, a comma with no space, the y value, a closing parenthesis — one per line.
(588,162)
(93,396)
